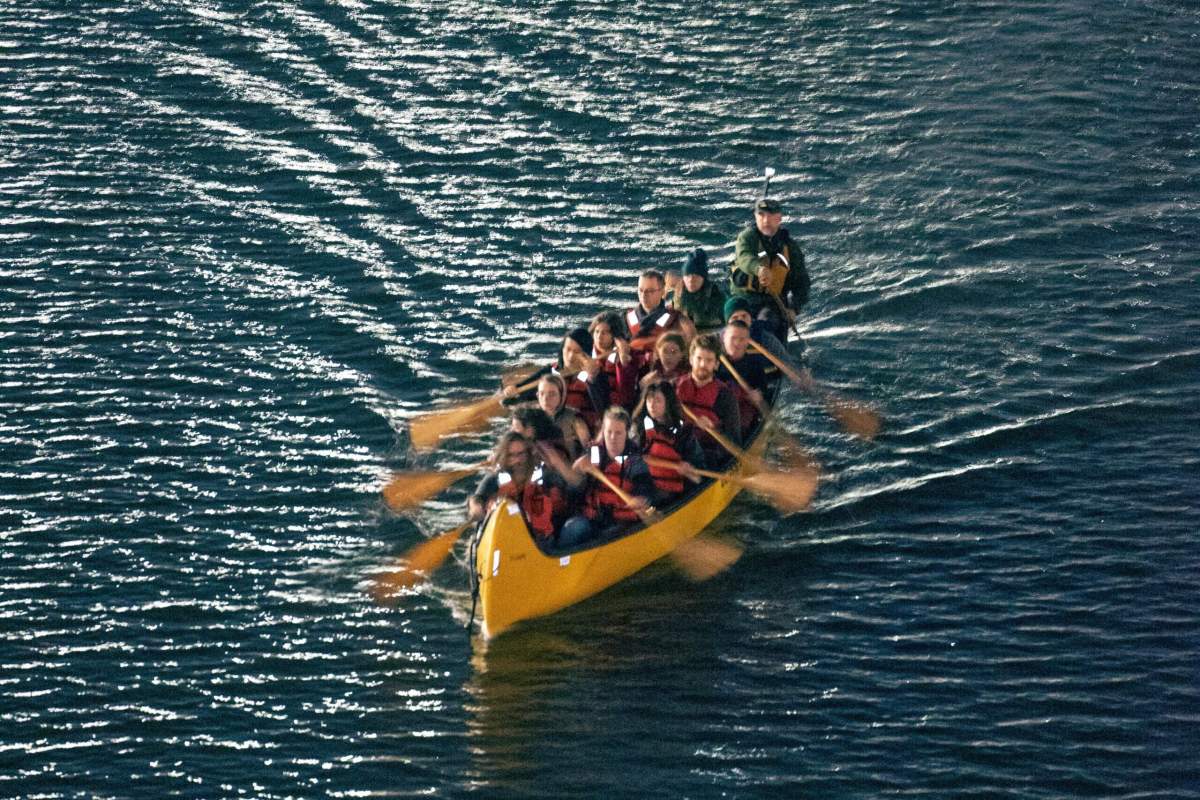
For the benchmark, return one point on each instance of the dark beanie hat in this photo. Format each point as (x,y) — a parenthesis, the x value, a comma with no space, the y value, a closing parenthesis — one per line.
(582,338)
(736,304)
(696,263)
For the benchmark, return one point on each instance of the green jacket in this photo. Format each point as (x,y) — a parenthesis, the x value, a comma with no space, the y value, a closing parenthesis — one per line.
(750,250)
(705,308)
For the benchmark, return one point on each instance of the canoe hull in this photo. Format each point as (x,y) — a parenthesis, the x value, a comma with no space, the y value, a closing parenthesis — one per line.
(516,581)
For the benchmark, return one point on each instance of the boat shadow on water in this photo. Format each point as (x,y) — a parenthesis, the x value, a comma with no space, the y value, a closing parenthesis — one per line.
(546,685)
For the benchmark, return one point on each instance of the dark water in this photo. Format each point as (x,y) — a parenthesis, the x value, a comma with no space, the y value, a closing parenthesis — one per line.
(240,244)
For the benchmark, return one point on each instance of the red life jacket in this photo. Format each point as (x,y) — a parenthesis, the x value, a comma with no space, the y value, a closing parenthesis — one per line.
(701,401)
(540,504)
(619,394)
(622,380)
(600,498)
(578,399)
(643,335)
(661,443)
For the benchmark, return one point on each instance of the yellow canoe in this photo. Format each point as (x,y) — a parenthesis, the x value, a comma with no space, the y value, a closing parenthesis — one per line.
(516,581)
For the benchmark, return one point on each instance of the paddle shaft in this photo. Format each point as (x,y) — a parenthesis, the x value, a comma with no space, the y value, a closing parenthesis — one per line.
(789,492)
(737,376)
(854,417)
(654,461)
(783,311)
(619,492)
(783,366)
(524,387)
(732,448)
(406,490)
(427,429)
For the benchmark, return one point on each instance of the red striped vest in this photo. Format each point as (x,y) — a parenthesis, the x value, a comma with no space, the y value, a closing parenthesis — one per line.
(578,399)
(600,498)
(643,337)
(660,443)
(539,504)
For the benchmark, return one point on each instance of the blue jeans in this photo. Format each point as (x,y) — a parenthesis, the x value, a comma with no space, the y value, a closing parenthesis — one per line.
(575,531)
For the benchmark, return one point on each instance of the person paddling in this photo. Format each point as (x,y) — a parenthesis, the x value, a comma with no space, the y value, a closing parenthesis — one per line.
(551,398)
(738,309)
(750,369)
(667,436)
(536,426)
(543,495)
(587,384)
(710,400)
(768,268)
(669,362)
(617,456)
(610,347)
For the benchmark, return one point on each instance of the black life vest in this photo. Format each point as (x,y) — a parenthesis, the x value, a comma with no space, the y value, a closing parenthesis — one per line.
(752,371)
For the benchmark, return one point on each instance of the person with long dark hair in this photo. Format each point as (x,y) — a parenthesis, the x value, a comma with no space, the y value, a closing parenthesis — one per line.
(666,436)
(543,495)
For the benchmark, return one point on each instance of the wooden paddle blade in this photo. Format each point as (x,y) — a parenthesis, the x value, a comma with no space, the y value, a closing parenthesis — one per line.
(514,376)
(418,564)
(409,489)
(853,417)
(702,557)
(790,492)
(792,454)
(426,430)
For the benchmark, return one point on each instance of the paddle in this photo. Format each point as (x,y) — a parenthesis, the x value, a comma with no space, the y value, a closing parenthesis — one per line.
(800,457)
(512,376)
(702,557)
(408,489)
(646,515)
(769,172)
(787,314)
(854,417)
(418,563)
(747,461)
(759,403)
(426,430)
(698,558)
(786,491)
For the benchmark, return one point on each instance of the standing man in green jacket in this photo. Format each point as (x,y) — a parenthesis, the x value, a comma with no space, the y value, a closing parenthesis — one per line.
(768,268)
